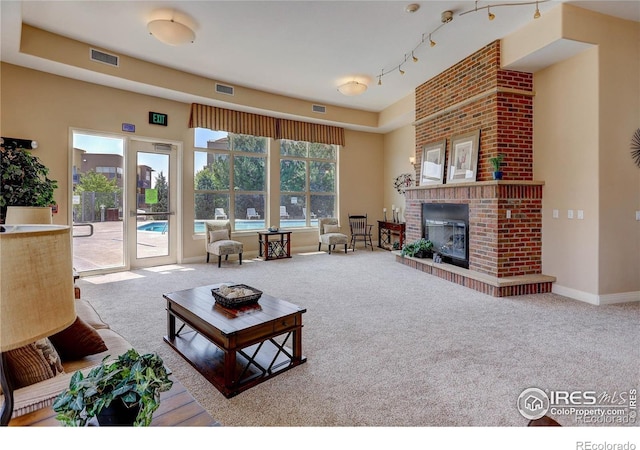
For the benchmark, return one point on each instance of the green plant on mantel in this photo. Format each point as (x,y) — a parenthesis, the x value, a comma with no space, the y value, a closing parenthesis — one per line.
(133,378)
(496,162)
(24,180)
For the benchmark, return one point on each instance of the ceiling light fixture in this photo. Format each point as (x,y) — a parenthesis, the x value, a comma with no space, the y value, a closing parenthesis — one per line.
(536,15)
(352,88)
(490,14)
(171,32)
(413,7)
(445,18)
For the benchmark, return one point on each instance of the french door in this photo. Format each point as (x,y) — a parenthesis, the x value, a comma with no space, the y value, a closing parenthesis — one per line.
(123,202)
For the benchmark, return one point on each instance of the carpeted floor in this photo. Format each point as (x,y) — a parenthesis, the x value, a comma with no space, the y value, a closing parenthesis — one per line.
(388,345)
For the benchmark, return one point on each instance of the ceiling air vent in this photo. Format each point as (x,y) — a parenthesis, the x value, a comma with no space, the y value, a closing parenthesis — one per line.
(319,109)
(105,58)
(224,89)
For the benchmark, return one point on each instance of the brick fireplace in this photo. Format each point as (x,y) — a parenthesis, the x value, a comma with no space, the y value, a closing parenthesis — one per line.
(505,217)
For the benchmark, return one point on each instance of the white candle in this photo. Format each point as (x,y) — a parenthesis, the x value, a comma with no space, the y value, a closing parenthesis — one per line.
(384,210)
(393,207)
(398,210)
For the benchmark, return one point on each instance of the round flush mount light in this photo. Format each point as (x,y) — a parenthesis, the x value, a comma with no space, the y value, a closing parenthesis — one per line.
(352,88)
(171,32)
(413,7)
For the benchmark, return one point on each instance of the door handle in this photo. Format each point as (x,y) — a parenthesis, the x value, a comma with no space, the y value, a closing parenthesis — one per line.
(155,213)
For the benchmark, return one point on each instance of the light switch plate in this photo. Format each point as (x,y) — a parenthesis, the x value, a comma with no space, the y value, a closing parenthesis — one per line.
(508,214)
(555,213)
(637,215)
(570,214)
(580,214)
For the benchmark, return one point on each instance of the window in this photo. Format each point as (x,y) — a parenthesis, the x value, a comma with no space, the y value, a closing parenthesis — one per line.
(307,182)
(230,179)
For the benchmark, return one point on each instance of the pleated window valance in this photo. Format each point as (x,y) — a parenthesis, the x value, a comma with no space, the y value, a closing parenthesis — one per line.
(220,119)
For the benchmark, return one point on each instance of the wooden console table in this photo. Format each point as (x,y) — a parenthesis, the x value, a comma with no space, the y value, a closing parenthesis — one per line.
(277,248)
(386,232)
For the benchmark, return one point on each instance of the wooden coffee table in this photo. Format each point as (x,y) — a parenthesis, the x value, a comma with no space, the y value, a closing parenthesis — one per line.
(234,348)
(177,408)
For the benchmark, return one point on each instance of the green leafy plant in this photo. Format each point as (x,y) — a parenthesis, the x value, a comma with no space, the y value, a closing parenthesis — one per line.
(496,162)
(24,180)
(133,378)
(417,248)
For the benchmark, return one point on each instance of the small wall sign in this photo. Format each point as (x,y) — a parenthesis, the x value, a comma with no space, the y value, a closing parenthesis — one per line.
(129,127)
(158,119)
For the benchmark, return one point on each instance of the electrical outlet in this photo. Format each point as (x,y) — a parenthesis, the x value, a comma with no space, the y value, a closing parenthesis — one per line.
(570,214)
(580,214)
(556,213)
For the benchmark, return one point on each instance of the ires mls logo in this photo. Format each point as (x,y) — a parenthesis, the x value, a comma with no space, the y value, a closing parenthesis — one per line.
(587,407)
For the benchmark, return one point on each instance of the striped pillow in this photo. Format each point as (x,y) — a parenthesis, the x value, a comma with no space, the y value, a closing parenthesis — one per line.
(33,363)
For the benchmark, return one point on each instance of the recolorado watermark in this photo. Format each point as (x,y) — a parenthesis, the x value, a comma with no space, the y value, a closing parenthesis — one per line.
(588,407)
(588,445)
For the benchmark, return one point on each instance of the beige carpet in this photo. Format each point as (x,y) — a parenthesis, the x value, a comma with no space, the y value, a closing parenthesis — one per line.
(388,345)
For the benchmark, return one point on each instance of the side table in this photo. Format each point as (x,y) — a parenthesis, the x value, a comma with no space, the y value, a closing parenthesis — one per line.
(386,231)
(274,244)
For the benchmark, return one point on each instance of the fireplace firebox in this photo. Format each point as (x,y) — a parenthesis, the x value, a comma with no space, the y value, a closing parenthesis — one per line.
(446,225)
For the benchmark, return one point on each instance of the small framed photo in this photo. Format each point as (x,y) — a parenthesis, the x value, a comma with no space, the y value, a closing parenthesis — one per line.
(432,167)
(463,157)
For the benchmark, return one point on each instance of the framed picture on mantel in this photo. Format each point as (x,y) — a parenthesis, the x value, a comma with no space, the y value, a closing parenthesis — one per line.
(463,157)
(432,167)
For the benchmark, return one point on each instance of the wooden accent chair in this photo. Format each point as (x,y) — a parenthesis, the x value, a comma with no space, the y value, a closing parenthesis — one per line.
(329,234)
(218,242)
(360,230)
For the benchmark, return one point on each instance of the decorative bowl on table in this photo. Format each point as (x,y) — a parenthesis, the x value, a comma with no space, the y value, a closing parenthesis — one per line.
(236,295)
(273,229)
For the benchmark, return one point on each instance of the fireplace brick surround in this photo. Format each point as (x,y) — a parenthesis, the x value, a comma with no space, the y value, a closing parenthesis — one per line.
(505,253)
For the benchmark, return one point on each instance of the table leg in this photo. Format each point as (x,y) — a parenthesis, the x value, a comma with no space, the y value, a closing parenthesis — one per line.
(288,245)
(229,368)
(171,324)
(297,342)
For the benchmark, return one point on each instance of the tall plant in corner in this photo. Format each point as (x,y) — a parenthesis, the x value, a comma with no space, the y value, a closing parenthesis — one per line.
(24,180)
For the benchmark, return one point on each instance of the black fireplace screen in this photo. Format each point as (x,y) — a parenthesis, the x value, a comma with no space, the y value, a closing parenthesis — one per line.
(446,226)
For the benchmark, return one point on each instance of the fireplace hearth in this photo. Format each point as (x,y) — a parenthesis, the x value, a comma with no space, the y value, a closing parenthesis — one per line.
(446,225)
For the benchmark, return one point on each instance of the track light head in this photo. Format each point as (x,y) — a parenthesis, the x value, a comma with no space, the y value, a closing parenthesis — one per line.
(490,14)
(536,15)
(414,57)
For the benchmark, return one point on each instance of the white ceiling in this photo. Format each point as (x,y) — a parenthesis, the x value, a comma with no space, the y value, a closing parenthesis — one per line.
(302,49)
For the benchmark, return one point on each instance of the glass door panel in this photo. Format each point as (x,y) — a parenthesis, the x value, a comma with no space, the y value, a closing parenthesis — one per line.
(154,233)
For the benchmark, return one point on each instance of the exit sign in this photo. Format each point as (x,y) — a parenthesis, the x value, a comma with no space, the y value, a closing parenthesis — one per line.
(158,118)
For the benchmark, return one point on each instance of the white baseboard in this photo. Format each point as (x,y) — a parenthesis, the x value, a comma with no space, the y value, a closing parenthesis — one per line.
(595,299)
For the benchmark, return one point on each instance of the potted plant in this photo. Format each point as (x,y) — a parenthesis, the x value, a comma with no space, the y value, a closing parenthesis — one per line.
(496,163)
(24,180)
(131,383)
(418,249)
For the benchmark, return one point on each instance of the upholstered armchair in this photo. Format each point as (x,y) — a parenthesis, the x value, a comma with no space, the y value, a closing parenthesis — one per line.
(329,234)
(218,241)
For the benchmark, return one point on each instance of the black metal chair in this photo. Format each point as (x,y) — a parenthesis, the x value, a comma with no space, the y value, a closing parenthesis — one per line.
(360,230)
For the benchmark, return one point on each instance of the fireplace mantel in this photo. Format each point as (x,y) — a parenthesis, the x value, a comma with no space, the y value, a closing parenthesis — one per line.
(477,183)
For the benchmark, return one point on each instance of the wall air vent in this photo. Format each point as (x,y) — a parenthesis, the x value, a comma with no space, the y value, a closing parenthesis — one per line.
(105,58)
(319,109)
(224,89)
